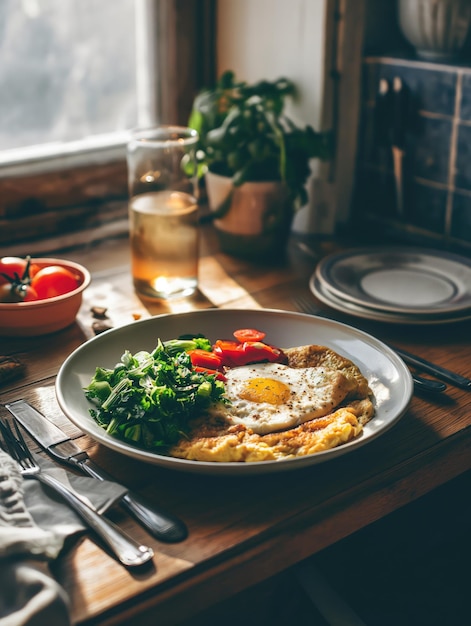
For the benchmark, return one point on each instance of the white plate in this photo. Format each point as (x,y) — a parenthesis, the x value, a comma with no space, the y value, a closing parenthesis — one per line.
(331,299)
(399,280)
(388,376)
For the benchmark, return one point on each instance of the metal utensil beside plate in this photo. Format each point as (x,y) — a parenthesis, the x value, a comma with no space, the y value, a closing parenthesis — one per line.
(161,524)
(436,370)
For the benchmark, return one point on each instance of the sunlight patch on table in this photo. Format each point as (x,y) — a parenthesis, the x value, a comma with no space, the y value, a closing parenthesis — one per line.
(220,288)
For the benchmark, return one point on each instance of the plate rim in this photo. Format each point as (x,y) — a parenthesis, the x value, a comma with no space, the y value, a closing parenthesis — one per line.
(388,317)
(239,469)
(325,265)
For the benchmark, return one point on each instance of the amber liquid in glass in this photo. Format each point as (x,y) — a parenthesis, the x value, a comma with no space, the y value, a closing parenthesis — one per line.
(164,244)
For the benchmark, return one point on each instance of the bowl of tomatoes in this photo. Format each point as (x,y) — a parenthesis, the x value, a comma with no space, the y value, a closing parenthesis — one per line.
(39,296)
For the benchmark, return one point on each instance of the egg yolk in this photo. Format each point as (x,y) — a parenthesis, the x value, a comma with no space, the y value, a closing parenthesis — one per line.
(266,390)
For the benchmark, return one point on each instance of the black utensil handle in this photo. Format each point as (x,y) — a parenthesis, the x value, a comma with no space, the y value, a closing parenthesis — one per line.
(435,370)
(158,522)
(428,385)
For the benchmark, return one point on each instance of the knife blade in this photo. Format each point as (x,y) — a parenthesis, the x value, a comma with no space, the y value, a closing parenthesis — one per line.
(59,445)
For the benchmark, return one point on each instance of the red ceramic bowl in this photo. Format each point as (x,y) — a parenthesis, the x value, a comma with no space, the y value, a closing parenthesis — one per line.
(40,317)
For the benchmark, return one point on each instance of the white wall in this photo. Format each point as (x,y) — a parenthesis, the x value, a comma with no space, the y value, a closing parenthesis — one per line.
(269,39)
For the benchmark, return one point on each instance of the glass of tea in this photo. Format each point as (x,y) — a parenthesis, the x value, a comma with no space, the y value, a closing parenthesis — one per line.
(163,211)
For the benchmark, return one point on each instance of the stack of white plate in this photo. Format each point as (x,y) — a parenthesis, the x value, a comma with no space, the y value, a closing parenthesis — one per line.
(403,285)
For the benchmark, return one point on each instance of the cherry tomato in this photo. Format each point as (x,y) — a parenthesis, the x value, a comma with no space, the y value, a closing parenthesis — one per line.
(17,292)
(14,266)
(11,265)
(249,334)
(53,280)
(33,269)
(204,358)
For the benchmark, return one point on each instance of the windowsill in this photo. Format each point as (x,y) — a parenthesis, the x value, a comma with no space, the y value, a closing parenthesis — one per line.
(112,230)
(58,156)
(61,208)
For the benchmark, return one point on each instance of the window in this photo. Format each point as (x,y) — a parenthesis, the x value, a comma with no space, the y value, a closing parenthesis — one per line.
(67,71)
(76,75)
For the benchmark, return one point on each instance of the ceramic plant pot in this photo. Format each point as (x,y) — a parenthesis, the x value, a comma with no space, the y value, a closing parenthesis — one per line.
(436,28)
(253,221)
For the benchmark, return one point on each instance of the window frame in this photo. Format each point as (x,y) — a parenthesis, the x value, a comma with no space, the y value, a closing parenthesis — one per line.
(58,196)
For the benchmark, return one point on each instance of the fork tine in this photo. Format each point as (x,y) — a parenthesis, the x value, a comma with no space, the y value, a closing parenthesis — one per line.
(16,445)
(7,443)
(21,443)
(3,443)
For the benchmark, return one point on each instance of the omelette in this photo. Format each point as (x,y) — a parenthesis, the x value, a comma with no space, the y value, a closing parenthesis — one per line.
(317,401)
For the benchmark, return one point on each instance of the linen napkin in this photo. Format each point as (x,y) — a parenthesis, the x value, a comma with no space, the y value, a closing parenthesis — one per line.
(35,525)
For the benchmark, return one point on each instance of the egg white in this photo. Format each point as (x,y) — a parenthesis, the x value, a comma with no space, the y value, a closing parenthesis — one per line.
(268,397)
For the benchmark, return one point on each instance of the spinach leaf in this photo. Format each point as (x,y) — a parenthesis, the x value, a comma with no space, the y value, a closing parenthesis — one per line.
(148,398)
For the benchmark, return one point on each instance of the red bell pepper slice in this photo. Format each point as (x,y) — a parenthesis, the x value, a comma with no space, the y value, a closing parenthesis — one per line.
(257,351)
(235,354)
(204,358)
(229,352)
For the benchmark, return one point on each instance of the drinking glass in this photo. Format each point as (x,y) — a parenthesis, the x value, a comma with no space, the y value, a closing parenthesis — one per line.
(163,211)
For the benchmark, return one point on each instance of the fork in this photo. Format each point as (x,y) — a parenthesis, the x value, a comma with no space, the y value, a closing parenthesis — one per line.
(128,551)
(304,305)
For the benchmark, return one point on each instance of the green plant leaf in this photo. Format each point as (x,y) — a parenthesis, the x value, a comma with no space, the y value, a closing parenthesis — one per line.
(244,134)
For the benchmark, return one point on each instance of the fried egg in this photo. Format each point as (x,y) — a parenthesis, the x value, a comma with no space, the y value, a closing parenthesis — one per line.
(269,397)
(223,436)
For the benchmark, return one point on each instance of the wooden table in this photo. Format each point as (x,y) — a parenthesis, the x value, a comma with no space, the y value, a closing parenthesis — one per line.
(242,531)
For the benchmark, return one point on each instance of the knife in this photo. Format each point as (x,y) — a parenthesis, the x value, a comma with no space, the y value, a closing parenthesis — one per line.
(436,370)
(161,524)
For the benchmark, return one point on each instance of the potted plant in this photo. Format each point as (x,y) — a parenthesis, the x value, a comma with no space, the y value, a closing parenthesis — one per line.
(255,160)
